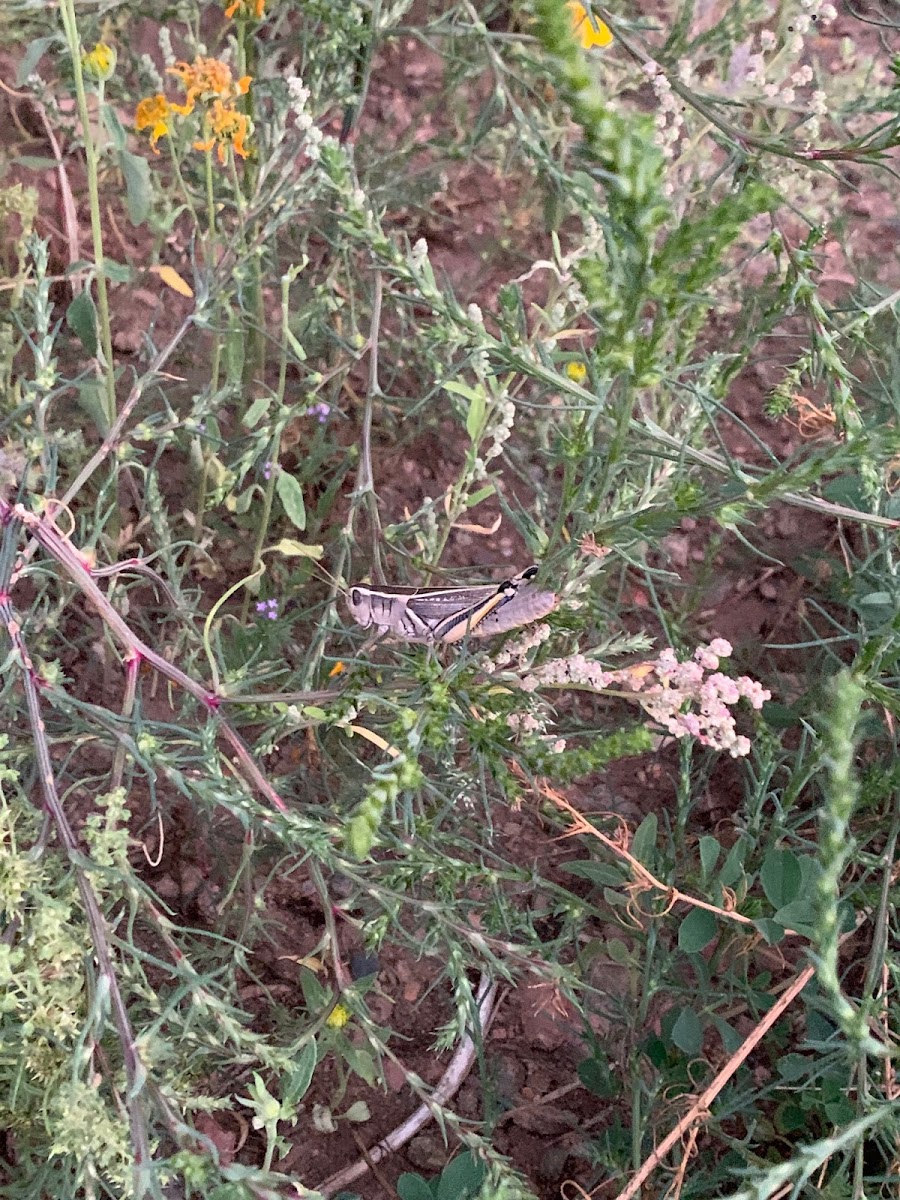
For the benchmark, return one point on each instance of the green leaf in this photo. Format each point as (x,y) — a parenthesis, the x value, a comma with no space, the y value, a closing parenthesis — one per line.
(361,1062)
(656,1052)
(643,844)
(34,52)
(460,1178)
(697,930)
(234,355)
(733,867)
(81,318)
(604,874)
(780,877)
(358,1113)
(731,1039)
(300,1076)
(619,953)
(455,388)
(92,399)
(34,162)
(770,930)
(481,494)
(114,126)
(596,1077)
(255,411)
(799,915)
(294,549)
(877,600)
(315,997)
(710,849)
(138,189)
(413,1187)
(687,1032)
(475,416)
(298,350)
(793,1066)
(243,501)
(790,1118)
(290,493)
(117,272)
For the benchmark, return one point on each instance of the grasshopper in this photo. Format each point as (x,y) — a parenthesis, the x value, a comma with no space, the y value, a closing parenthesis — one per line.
(448,614)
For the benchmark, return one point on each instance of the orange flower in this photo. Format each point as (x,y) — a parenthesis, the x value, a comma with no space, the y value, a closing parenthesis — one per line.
(209,79)
(208,82)
(224,127)
(247,8)
(589,29)
(153,113)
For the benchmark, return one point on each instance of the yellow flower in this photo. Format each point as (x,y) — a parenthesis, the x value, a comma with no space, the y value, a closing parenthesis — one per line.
(338,1017)
(576,371)
(154,113)
(589,29)
(100,62)
(337,669)
(209,79)
(224,127)
(247,8)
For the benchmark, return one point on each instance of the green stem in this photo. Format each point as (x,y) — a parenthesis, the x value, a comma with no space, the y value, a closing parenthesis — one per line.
(269,494)
(67,12)
(210,206)
(256,358)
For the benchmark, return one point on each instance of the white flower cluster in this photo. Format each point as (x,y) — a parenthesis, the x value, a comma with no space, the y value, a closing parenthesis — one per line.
(165,46)
(310,132)
(528,723)
(689,699)
(669,121)
(530,637)
(418,255)
(500,426)
(524,723)
(771,72)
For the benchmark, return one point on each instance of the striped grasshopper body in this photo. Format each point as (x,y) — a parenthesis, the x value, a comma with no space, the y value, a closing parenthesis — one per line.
(438,614)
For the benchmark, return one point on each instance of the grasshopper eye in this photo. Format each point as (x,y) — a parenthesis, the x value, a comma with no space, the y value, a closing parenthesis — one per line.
(355,597)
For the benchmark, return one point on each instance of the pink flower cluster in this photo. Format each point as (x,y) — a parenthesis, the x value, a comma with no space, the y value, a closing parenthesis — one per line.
(689,699)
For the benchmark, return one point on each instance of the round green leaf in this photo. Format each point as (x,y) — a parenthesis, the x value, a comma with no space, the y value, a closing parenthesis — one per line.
(687,1032)
(697,930)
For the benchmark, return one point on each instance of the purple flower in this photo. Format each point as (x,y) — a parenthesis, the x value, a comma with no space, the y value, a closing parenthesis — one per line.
(267,470)
(320,411)
(268,608)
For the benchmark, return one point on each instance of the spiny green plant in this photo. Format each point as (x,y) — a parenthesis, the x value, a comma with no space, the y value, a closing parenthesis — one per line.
(153,505)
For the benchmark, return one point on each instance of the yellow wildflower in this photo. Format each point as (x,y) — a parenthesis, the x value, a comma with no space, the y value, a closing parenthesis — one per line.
(576,371)
(224,127)
(209,79)
(338,1017)
(100,62)
(154,113)
(247,8)
(337,669)
(589,29)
